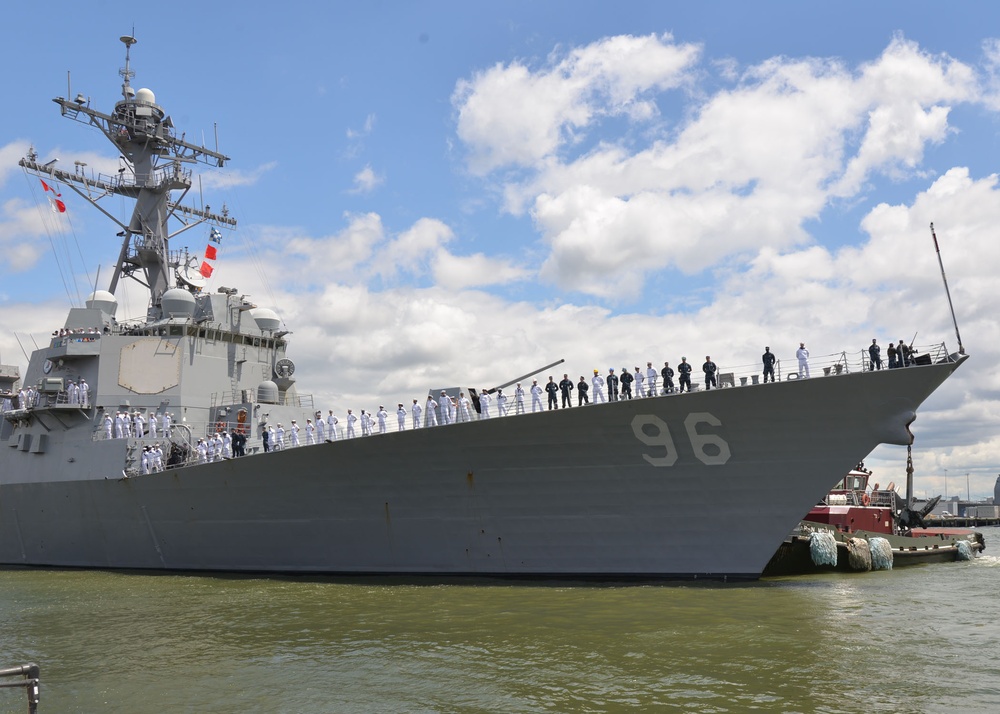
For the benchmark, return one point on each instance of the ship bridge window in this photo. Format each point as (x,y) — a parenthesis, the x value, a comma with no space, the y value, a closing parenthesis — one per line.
(176,330)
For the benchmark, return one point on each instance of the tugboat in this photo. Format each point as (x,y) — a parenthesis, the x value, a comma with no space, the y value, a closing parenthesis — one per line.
(116,473)
(859,526)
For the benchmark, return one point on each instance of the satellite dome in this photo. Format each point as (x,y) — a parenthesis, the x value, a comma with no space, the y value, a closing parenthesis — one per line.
(177,302)
(145,95)
(267,392)
(266,318)
(103,301)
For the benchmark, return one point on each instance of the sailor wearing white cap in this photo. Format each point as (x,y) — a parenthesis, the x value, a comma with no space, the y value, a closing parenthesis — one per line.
(119,425)
(536,396)
(501,403)
(431,412)
(519,399)
(381,415)
(278,443)
(415,411)
(108,425)
(72,392)
(152,423)
(351,420)
(157,457)
(485,400)
(320,428)
(639,378)
(597,384)
(651,377)
(331,425)
(310,432)
(294,429)
(401,416)
(227,445)
(165,421)
(202,450)
(84,392)
(464,408)
(443,401)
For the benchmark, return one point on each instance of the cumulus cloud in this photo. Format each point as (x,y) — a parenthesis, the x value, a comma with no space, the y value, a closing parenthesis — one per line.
(366,180)
(748,169)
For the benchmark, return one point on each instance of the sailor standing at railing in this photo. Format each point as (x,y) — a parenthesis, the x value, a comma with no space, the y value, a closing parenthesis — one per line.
(84,392)
(144,461)
(668,378)
(138,425)
(72,393)
(536,397)
(366,425)
(331,425)
(415,411)
(501,403)
(294,433)
(485,400)
(109,424)
(519,399)
(802,354)
(165,421)
(202,450)
(151,420)
(220,446)
(612,382)
(597,383)
(310,432)
(381,415)
(320,428)
(401,416)
(464,408)
(443,402)
(640,380)
(119,425)
(430,409)
(651,377)
(227,445)
(157,457)
(279,438)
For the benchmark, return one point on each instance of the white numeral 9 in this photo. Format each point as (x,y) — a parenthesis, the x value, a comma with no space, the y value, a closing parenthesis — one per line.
(661,438)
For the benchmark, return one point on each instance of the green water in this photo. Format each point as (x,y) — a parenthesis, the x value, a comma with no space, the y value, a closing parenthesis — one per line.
(923,639)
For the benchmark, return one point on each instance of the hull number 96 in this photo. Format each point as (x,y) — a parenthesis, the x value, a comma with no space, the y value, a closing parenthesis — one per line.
(710,449)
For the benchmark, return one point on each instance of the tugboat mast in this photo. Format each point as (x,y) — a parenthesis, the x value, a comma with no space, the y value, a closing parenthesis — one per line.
(152,158)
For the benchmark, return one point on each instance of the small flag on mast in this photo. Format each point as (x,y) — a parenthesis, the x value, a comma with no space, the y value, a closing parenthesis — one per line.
(206,269)
(210,252)
(215,236)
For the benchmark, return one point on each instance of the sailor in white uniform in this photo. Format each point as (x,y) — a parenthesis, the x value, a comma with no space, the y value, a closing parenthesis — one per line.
(651,377)
(279,438)
(157,457)
(485,400)
(464,408)
(639,378)
(443,401)
(119,425)
(202,451)
(109,424)
(227,445)
(151,420)
(802,354)
(536,397)
(351,420)
(72,393)
(381,415)
(310,432)
(165,421)
(146,460)
(294,433)
(415,411)
(401,416)
(366,423)
(331,425)
(501,403)
(320,428)
(84,392)
(430,409)
(597,387)
(220,446)
(519,399)
(138,425)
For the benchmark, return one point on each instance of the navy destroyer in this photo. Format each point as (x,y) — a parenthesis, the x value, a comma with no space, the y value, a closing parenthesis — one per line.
(699,485)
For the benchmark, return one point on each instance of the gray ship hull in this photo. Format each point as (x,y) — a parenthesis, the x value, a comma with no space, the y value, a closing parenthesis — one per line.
(702,485)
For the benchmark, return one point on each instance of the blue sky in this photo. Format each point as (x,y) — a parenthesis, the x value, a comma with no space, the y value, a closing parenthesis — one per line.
(460,192)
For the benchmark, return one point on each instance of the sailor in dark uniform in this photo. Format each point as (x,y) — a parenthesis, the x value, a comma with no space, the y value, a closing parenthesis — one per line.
(566,386)
(768,359)
(683,375)
(612,381)
(553,389)
(581,392)
(875,355)
(668,378)
(709,368)
(626,380)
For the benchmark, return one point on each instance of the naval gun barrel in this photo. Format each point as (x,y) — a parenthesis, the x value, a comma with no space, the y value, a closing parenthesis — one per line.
(525,376)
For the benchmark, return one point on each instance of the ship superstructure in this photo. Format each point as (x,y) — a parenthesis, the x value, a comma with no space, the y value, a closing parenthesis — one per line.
(644,488)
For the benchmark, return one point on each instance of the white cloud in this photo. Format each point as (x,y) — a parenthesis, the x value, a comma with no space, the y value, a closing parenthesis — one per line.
(512,115)
(366,181)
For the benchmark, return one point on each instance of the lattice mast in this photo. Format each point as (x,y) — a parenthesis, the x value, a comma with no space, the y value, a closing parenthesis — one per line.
(152,158)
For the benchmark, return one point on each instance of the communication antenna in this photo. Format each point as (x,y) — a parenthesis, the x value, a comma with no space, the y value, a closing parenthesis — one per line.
(961,349)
